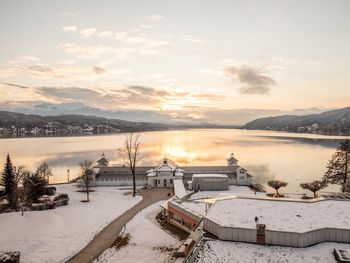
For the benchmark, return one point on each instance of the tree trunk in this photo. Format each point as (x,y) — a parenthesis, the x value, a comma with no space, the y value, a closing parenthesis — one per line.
(315,195)
(345,172)
(133,184)
(277,192)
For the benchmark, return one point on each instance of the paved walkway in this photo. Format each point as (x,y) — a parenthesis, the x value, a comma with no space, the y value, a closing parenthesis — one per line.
(108,235)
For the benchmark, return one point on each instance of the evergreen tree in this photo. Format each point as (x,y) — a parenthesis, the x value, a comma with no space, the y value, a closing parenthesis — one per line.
(9,182)
(34,185)
(338,168)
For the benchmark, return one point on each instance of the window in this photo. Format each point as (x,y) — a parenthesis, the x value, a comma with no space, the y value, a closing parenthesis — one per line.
(171,181)
(241,171)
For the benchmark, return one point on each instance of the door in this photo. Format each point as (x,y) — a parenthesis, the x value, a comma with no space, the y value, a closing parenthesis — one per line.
(164,182)
(155,182)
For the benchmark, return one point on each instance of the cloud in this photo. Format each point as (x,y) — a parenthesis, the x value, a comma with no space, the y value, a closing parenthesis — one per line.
(15,85)
(192,39)
(69,28)
(75,93)
(71,13)
(88,32)
(106,34)
(133,46)
(253,80)
(99,70)
(154,18)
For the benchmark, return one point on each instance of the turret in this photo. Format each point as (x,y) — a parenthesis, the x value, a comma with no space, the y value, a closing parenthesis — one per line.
(103,162)
(232,161)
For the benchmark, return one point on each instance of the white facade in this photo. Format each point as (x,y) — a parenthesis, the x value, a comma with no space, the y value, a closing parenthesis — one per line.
(164,175)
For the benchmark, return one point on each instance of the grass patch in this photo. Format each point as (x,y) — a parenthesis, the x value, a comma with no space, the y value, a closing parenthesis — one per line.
(274,195)
(180,234)
(121,241)
(307,197)
(165,249)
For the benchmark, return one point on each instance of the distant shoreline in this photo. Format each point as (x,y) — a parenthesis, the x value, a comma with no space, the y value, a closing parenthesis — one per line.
(175,129)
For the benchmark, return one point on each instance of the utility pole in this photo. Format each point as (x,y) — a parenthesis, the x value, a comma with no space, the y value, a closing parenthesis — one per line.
(68,173)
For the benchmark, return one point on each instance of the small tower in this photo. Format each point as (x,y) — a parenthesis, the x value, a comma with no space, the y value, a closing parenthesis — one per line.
(232,161)
(103,162)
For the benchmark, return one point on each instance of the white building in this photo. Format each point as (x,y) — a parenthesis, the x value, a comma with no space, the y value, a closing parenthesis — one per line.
(164,175)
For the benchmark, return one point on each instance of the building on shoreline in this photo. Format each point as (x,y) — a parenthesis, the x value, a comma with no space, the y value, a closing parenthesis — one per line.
(164,174)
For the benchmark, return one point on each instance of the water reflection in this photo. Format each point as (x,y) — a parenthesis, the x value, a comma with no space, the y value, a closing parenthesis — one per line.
(294,158)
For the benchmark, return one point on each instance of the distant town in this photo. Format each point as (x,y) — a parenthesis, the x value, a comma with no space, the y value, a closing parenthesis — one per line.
(58,129)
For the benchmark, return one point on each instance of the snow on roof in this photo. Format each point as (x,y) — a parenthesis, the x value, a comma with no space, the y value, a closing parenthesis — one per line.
(281,215)
(214,250)
(197,207)
(179,188)
(210,169)
(151,173)
(209,175)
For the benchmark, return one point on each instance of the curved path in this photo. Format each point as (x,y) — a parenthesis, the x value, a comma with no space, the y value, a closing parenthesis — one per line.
(108,235)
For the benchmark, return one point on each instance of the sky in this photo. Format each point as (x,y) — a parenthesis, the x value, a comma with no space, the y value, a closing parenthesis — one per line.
(198,59)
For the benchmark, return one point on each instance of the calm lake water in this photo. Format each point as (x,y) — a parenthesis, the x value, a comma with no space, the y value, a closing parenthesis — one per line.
(294,158)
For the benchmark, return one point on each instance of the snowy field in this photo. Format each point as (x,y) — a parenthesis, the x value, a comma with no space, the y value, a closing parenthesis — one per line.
(56,235)
(281,215)
(232,191)
(234,252)
(145,242)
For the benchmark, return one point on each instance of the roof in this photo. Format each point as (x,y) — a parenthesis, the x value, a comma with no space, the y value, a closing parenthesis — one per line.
(286,216)
(232,158)
(209,176)
(179,188)
(166,166)
(210,169)
(119,168)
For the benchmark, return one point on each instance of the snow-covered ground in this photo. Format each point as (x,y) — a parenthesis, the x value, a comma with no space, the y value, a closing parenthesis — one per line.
(56,235)
(234,252)
(281,215)
(232,191)
(146,240)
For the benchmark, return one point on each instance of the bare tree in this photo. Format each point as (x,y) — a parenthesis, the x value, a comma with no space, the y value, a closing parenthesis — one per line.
(276,184)
(19,173)
(86,176)
(338,168)
(44,171)
(314,186)
(131,151)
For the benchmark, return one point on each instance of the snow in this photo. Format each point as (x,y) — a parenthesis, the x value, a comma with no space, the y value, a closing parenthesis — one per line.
(234,252)
(146,236)
(281,215)
(209,176)
(179,188)
(233,190)
(56,235)
(198,207)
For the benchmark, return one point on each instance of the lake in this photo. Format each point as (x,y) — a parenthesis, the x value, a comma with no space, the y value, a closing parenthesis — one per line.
(294,158)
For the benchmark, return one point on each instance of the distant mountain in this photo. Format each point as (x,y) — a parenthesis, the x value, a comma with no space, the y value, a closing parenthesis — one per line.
(329,122)
(30,121)
(14,124)
(78,108)
(213,116)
